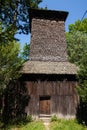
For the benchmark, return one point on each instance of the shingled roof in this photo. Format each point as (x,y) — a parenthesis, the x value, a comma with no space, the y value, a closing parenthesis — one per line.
(41,67)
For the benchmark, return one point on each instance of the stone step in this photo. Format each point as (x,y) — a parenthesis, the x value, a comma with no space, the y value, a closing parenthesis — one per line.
(45,115)
(45,118)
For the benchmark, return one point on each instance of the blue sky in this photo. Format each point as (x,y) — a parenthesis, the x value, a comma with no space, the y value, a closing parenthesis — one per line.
(76,9)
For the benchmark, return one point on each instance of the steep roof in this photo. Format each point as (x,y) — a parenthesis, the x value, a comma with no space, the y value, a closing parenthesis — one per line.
(41,67)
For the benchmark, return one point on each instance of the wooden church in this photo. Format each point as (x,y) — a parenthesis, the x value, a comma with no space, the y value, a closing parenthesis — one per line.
(49,77)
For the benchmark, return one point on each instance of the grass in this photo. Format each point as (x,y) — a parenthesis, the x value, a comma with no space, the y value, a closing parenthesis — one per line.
(55,125)
(66,125)
(36,125)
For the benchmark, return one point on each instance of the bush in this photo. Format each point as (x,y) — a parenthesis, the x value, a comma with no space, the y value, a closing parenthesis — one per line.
(29,118)
(54,118)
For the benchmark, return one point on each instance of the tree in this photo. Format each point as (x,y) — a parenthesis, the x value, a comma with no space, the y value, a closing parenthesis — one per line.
(77,41)
(77,50)
(25,52)
(35,3)
(79,26)
(14,15)
(82,75)
(17,12)
(77,46)
(10,61)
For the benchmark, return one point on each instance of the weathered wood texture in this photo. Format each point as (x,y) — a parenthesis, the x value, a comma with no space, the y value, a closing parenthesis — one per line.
(51,91)
(61,90)
(48,40)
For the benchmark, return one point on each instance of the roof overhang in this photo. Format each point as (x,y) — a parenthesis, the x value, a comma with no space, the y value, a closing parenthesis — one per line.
(38,67)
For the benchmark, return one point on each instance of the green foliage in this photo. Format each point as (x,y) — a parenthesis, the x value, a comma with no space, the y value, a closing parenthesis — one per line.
(77,50)
(25,53)
(77,46)
(82,75)
(29,118)
(7,33)
(20,121)
(10,61)
(79,26)
(35,3)
(16,12)
(16,99)
(66,125)
(54,118)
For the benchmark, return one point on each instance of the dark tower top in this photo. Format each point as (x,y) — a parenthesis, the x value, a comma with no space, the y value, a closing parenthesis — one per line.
(48,41)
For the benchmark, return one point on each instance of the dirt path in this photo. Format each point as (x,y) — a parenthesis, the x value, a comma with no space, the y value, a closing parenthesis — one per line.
(46,125)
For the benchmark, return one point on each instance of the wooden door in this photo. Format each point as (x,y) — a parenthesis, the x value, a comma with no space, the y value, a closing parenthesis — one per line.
(44,105)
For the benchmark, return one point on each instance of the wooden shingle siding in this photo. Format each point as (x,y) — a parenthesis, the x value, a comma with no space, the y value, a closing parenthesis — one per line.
(48,41)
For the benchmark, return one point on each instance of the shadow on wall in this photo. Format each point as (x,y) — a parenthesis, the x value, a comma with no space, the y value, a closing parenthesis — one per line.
(16,99)
(82,113)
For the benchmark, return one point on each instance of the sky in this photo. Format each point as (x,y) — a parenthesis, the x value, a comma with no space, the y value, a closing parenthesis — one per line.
(76,9)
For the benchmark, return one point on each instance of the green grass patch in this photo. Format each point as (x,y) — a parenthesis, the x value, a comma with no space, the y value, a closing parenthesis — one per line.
(36,125)
(60,124)
(66,125)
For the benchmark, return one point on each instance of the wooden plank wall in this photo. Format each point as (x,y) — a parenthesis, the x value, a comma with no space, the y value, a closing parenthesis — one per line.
(64,98)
